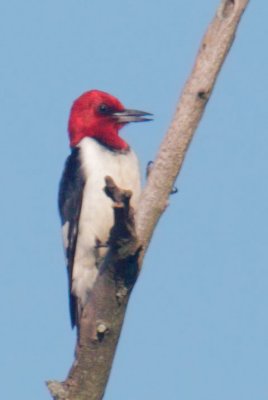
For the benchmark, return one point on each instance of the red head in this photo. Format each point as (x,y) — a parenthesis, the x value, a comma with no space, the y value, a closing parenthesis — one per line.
(99,115)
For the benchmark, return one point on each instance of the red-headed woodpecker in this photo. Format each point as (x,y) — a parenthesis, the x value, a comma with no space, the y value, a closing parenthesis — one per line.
(86,212)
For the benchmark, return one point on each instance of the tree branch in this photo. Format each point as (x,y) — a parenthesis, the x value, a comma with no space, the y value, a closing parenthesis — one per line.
(195,95)
(102,318)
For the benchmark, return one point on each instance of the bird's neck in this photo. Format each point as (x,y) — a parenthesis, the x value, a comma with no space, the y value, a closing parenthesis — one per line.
(108,138)
(96,143)
(112,142)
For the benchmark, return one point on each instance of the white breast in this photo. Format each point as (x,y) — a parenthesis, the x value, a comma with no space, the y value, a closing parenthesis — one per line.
(96,218)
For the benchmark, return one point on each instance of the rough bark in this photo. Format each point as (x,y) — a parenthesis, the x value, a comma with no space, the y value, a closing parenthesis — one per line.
(103,317)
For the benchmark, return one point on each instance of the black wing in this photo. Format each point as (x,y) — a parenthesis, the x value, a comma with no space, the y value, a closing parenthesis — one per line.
(70,200)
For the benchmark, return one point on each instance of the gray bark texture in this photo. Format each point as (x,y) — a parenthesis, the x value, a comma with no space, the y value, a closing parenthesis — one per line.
(103,317)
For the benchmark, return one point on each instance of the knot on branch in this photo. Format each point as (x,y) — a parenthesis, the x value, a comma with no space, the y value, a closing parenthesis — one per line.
(102,330)
(226,8)
(203,95)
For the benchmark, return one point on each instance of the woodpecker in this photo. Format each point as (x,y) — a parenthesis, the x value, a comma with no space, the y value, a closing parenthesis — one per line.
(86,211)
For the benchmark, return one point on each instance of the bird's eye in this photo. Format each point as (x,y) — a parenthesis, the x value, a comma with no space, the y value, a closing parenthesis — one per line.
(103,108)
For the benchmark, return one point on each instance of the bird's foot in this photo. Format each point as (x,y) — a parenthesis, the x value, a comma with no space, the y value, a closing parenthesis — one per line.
(174,190)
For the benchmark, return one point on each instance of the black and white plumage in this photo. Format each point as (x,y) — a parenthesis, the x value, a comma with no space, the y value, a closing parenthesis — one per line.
(86,211)
(70,200)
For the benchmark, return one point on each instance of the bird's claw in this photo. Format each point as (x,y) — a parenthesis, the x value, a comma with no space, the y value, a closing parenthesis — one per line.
(149,168)
(174,190)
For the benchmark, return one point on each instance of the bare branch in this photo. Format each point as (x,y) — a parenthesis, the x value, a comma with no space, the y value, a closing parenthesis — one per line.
(195,95)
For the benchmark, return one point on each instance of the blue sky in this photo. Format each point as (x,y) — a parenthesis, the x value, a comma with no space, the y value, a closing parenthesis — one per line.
(197,323)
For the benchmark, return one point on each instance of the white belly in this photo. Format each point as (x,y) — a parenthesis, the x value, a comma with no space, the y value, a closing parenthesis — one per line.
(96,218)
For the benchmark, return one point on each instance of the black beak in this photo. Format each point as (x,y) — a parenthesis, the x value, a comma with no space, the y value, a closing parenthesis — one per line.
(125,116)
